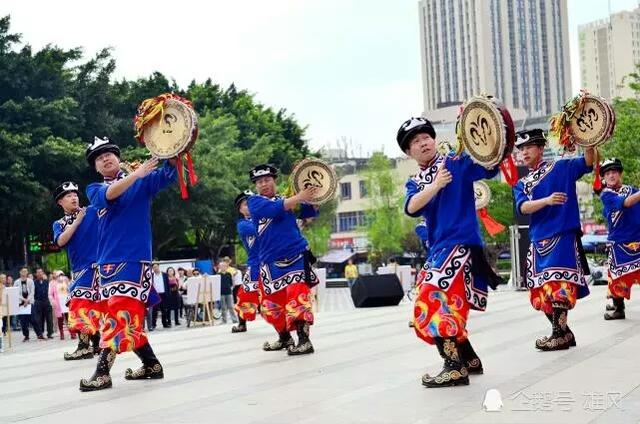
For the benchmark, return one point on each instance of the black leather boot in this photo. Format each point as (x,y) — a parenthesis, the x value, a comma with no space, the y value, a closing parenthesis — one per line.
(100,379)
(618,312)
(150,369)
(83,351)
(304,344)
(557,340)
(95,342)
(470,358)
(453,373)
(241,327)
(284,341)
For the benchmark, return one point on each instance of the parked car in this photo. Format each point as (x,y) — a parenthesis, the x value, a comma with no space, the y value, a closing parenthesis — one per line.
(505,254)
(599,273)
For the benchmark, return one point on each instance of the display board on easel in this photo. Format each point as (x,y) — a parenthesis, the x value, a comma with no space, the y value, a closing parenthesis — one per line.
(11,306)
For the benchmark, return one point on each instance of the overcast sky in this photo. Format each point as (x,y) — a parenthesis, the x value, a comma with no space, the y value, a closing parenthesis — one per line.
(345,68)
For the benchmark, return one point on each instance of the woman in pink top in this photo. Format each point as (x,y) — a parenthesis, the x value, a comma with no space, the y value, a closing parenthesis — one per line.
(58,291)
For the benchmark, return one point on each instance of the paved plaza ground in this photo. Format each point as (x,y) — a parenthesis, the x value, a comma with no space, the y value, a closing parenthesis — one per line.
(366,369)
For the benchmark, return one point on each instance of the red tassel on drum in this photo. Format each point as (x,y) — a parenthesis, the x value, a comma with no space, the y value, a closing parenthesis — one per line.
(183,186)
(597,182)
(193,178)
(509,170)
(492,226)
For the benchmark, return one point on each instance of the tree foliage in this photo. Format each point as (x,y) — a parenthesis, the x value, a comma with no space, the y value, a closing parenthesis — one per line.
(54,101)
(387,224)
(624,143)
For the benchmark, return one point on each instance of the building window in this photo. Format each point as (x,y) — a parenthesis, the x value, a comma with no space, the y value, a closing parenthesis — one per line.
(363,189)
(345,191)
(349,221)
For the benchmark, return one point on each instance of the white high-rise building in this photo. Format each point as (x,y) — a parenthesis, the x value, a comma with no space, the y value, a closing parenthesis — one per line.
(609,51)
(517,50)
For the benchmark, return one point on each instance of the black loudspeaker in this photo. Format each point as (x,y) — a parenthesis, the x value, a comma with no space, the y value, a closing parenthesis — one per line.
(377,290)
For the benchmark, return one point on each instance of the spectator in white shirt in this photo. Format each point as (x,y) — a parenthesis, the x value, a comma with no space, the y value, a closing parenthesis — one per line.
(161,284)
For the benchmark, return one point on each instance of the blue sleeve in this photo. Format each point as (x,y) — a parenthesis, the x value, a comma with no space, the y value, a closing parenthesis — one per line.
(520,197)
(246,228)
(411,189)
(97,194)
(612,201)
(261,207)
(160,178)
(307,211)
(421,231)
(57,230)
(577,167)
(474,171)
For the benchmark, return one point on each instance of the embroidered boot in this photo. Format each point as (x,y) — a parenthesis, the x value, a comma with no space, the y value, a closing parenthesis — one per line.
(83,351)
(557,340)
(618,312)
(151,367)
(569,334)
(101,378)
(284,341)
(470,358)
(304,344)
(241,327)
(453,373)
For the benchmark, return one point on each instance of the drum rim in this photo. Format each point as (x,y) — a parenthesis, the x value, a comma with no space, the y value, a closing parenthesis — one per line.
(606,133)
(322,164)
(486,189)
(192,137)
(503,149)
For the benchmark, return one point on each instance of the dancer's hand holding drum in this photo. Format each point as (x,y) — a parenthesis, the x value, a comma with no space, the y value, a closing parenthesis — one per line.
(168,126)
(316,178)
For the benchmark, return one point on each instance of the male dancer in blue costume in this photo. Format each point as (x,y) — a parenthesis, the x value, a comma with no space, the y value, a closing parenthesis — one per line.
(456,274)
(286,276)
(556,264)
(622,212)
(124,258)
(248,294)
(77,232)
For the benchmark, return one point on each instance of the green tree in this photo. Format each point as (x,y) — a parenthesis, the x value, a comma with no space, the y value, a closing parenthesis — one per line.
(53,102)
(624,143)
(318,232)
(386,227)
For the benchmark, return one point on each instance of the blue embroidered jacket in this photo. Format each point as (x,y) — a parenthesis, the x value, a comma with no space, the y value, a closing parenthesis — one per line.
(82,247)
(548,178)
(124,224)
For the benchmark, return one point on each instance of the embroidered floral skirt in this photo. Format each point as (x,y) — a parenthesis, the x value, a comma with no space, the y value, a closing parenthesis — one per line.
(554,273)
(126,290)
(447,290)
(247,304)
(624,268)
(283,308)
(85,310)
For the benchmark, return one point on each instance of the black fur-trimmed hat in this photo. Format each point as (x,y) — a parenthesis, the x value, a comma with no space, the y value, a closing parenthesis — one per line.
(98,147)
(410,128)
(242,196)
(263,170)
(63,189)
(534,136)
(610,164)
